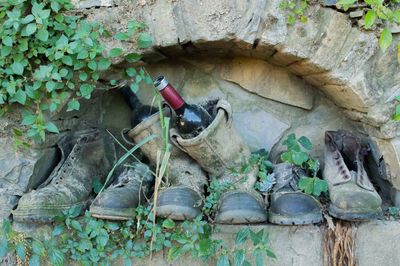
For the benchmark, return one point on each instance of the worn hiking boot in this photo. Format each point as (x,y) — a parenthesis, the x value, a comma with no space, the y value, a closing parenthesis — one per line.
(120,199)
(22,171)
(85,155)
(352,195)
(181,197)
(217,149)
(290,206)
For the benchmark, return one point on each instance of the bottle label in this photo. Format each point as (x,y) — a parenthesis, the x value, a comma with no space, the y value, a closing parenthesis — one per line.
(172,97)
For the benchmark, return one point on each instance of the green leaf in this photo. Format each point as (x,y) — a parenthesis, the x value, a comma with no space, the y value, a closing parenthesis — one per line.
(168,223)
(115,52)
(27,19)
(86,90)
(51,85)
(30,29)
(7,41)
(174,253)
(76,225)
(17,68)
(3,246)
(67,60)
(19,97)
(37,247)
(131,72)
(73,105)
(346,3)
(270,254)
(83,76)
(132,57)
(28,120)
(82,54)
(20,251)
(134,87)
(257,238)
(319,187)
(239,257)
(103,64)
(57,230)
(242,235)
(34,260)
(42,35)
(144,40)
(51,127)
(92,65)
(299,157)
(63,72)
(369,19)
(121,36)
(307,185)
(385,40)
(259,258)
(305,142)
(5,50)
(56,257)
(223,260)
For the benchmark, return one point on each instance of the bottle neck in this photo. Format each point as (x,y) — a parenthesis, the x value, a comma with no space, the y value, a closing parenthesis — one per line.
(172,97)
(130,97)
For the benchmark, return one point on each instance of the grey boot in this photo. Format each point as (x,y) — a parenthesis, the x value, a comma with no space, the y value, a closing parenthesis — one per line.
(352,195)
(120,199)
(21,172)
(290,206)
(181,198)
(217,149)
(85,155)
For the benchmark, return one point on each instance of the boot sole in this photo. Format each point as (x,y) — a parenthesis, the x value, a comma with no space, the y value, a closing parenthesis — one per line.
(240,217)
(42,215)
(355,217)
(112,214)
(295,220)
(178,204)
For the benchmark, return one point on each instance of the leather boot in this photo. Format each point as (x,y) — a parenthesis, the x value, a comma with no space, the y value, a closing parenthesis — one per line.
(85,155)
(181,198)
(290,206)
(217,149)
(352,195)
(119,201)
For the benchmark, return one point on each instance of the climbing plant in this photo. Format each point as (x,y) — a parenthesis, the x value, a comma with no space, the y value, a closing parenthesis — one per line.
(50,59)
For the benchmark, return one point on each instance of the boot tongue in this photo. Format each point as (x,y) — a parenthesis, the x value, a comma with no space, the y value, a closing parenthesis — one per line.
(137,172)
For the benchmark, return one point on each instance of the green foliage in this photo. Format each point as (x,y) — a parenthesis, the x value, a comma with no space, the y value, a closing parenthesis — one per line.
(298,154)
(394,212)
(296,10)
(215,189)
(49,59)
(92,241)
(265,179)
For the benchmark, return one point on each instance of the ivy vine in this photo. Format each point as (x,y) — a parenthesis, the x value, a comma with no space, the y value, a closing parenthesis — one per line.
(49,59)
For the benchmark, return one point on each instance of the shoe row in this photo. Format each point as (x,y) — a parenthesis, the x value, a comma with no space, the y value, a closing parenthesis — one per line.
(219,148)
(90,154)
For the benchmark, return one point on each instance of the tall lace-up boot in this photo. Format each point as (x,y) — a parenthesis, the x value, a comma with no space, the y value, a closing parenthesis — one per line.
(181,198)
(218,149)
(85,155)
(352,195)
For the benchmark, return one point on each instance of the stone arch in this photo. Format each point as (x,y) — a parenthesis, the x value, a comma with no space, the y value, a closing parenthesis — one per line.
(327,52)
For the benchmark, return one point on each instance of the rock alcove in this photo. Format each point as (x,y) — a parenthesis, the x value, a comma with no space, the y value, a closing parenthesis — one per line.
(303,79)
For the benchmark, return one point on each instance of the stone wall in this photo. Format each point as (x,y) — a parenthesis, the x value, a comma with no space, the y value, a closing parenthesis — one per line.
(295,65)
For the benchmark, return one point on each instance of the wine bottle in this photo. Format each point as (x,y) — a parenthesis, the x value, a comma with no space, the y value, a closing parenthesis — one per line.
(191,119)
(140,112)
